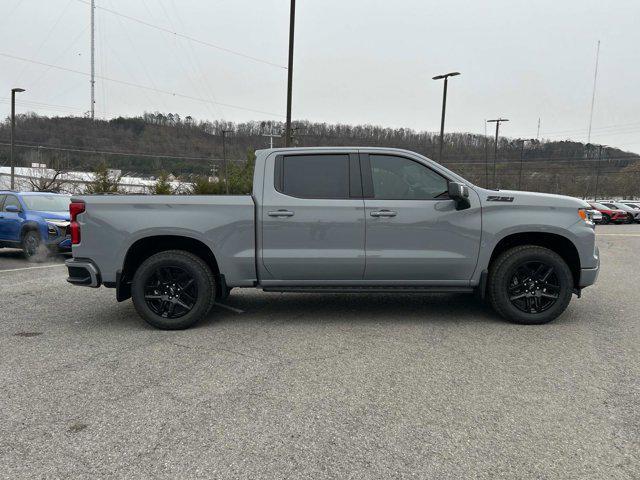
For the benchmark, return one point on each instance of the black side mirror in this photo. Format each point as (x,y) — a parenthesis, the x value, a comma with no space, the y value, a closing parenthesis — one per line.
(459,193)
(12,209)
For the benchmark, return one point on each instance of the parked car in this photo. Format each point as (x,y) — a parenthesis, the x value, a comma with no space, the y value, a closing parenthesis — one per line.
(610,215)
(304,228)
(632,203)
(31,219)
(632,212)
(595,216)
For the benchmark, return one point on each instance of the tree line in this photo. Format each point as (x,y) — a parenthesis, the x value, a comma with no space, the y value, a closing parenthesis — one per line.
(158,145)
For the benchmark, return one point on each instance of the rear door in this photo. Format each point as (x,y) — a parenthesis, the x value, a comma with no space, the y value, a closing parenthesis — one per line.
(313,223)
(414,232)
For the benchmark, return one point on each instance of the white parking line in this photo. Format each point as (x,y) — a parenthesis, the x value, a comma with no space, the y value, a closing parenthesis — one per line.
(237,310)
(618,234)
(32,268)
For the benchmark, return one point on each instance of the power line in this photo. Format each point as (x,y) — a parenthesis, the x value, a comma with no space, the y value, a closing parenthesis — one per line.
(136,85)
(188,37)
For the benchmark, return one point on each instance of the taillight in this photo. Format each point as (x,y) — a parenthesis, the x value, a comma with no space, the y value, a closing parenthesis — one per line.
(75,209)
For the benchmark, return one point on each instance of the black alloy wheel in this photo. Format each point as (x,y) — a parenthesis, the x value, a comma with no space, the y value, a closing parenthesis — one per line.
(534,287)
(170,291)
(605,219)
(30,243)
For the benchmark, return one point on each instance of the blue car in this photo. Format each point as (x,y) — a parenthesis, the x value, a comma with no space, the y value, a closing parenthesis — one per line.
(30,220)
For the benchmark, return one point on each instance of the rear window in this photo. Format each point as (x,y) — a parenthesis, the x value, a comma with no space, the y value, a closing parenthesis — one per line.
(314,176)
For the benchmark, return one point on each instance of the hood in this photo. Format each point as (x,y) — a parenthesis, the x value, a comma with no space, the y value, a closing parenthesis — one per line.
(54,215)
(515,197)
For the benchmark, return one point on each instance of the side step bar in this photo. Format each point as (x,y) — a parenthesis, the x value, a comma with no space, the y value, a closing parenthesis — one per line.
(376,289)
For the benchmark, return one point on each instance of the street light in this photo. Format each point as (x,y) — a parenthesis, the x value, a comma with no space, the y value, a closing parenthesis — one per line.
(600,147)
(497,121)
(444,105)
(13,127)
(292,20)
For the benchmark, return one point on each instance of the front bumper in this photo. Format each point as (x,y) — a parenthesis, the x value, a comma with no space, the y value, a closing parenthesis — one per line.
(588,276)
(83,273)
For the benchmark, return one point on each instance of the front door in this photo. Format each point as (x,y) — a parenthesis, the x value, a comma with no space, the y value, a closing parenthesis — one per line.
(414,232)
(10,222)
(313,222)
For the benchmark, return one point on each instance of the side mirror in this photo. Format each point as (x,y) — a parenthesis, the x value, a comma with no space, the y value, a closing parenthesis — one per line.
(459,193)
(11,208)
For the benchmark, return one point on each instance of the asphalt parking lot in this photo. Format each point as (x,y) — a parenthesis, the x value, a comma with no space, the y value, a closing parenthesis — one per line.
(320,386)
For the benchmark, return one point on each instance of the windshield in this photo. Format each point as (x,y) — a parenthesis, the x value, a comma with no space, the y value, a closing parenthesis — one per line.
(47,203)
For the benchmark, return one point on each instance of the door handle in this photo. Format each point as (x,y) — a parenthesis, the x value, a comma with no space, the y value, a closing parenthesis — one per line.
(280,213)
(383,213)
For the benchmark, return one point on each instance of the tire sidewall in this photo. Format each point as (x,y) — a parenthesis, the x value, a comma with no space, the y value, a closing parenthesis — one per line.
(26,239)
(195,267)
(501,279)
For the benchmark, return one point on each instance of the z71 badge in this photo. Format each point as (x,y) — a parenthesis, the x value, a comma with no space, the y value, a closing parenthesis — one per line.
(497,198)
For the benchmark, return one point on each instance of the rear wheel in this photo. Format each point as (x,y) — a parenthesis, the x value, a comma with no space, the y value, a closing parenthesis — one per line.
(173,290)
(605,219)
(530,285)
(30,243)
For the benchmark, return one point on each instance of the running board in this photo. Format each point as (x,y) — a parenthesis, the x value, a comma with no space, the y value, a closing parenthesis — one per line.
(376,289)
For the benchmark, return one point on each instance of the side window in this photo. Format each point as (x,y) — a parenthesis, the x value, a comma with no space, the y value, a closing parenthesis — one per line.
(1,201)
(397,178)
(11,200)
(313,176)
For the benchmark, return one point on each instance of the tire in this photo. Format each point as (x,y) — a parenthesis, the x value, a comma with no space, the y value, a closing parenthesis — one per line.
(528,299)
(168,282)
(30,243)
(605,219)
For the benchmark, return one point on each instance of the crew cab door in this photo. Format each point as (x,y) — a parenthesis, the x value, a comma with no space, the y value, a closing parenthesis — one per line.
(10,222)
(414,232)
(312,217)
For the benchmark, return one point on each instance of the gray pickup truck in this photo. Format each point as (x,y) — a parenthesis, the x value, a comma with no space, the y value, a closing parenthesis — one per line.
(337,220)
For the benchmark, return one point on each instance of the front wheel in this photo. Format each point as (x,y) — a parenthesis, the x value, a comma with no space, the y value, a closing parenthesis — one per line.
(30,244)
(605,219)
(173,290)
(530,285)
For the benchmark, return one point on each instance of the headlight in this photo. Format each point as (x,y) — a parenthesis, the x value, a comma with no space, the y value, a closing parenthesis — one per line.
(585,215)
(57,222)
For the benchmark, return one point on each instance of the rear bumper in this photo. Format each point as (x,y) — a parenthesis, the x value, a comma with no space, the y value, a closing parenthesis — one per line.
(83,273)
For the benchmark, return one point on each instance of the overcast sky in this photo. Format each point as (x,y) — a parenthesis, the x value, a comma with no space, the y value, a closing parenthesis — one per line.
(356,61)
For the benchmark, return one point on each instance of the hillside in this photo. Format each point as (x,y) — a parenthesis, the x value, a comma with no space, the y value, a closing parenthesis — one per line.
(154,142)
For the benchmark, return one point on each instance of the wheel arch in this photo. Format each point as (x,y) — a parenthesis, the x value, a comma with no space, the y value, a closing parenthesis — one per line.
(144,248)
(559,244)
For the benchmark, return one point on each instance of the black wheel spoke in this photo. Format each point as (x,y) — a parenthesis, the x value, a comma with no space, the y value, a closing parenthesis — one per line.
(166,291)
(534,287)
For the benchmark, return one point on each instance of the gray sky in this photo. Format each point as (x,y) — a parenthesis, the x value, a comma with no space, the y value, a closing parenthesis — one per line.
(356,61)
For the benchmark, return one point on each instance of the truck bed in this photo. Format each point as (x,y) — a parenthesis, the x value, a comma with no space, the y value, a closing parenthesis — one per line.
(111,224)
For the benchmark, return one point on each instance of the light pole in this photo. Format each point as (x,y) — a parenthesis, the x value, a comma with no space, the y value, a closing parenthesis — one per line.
(292,21)
(224,160)
(497,121)
(444,106)
(13,127)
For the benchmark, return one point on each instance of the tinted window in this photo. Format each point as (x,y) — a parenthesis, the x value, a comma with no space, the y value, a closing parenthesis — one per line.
(11,200)
(610,205)
(315,176)
(1,200)
(397,178)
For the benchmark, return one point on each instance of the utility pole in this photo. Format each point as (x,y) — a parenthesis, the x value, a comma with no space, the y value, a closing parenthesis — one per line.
(292,20)
(93,59)
(13,136)
(522,142)
(271,137)
(444,106)
(593,95)
(486,157)
(497,121)
(224,160)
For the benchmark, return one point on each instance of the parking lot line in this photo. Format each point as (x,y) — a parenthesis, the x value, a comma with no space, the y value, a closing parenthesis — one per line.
(618,234)
(32,268)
